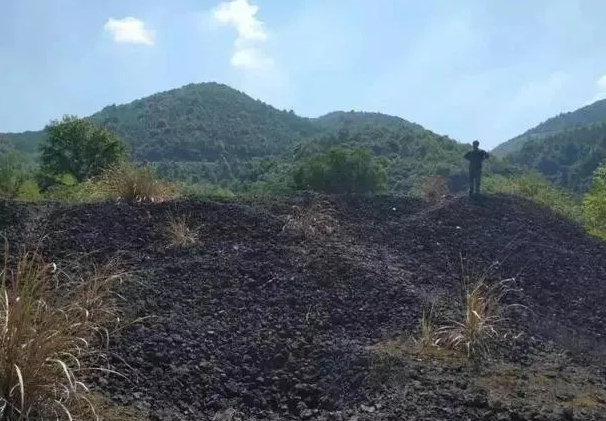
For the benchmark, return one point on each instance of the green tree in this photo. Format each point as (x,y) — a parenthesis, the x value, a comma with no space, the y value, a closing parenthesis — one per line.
(15,179)
(12,174)
(594,203)
(342,171)
(80,148)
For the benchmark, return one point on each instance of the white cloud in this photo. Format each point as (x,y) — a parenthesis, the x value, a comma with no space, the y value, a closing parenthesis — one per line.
(129,30)
(241,14)
(250,58)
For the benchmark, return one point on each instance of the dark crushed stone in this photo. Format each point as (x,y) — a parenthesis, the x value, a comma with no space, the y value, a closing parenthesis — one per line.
(253,319)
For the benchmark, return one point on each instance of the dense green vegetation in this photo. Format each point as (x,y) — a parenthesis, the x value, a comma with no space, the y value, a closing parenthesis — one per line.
(205,122)
(211,140)
(586,116)
(537,189)
(568,158)
(210,133)
(566,149)
(594,204)
(16,176)
(79,148)
(342,171)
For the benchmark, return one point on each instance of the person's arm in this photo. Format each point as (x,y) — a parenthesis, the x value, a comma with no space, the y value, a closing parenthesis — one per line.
(467,156)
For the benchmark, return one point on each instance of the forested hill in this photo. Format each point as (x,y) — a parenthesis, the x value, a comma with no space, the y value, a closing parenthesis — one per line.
(567,158)
(209,120)
(211,132)
(195,122)
(355,120)
(586,116)
(203,122)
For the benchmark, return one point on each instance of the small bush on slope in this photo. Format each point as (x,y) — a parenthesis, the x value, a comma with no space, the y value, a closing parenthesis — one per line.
(594,204)
(66,188)
(48,327)
(131,184)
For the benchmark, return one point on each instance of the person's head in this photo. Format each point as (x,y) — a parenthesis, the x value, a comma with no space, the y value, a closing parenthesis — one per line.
(476,144)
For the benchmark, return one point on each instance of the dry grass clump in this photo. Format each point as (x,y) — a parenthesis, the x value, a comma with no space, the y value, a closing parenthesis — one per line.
(131,184)
(433,188)
(49,325)
(180,232)
(428,330)
(309,222)
(482,318)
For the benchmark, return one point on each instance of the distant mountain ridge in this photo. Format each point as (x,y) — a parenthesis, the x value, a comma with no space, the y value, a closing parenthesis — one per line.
(566,148)
(208,120)
(210,132)
(588,115)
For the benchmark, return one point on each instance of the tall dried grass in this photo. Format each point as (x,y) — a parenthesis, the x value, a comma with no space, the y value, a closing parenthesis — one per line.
(49,325)
(483,321)
(180,232)
(131,184)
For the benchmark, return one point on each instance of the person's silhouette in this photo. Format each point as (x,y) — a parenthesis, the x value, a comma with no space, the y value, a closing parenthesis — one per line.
(475,158)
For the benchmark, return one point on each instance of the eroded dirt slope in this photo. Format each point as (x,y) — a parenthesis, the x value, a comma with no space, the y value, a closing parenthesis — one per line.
(252,322)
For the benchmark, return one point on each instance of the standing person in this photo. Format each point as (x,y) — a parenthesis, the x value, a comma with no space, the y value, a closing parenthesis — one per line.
(475,158)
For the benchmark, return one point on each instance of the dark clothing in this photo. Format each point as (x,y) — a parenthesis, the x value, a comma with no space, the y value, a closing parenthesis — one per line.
(475,158)
(474,182)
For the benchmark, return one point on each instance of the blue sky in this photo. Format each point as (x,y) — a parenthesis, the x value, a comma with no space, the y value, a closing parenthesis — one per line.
(472,69)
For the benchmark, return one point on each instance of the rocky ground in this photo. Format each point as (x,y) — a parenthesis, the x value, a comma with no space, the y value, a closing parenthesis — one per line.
(256,321)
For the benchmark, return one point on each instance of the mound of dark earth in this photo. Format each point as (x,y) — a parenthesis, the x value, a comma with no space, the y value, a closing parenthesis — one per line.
(254,322)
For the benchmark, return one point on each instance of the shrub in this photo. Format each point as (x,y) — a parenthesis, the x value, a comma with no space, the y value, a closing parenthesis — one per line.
(66,188)
(342,171)
(49,327)
(131,184)
(594,204)
(29,191)
(180,232)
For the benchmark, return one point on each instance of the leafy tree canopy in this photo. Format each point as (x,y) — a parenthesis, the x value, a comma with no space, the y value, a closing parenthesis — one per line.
(80,148)
(342,171)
